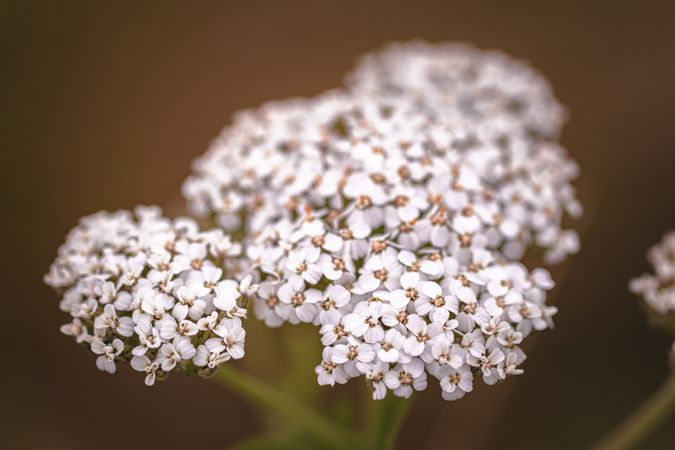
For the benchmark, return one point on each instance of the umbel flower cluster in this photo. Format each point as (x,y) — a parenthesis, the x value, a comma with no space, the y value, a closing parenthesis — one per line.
(489,91)
(152,291)
(395,218)
(658,290)
(392,214)
(400,272)
(268,157)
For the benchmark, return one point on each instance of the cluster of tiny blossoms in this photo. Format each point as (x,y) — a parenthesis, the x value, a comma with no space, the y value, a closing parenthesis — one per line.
(489,90)
(392,254)
(393,214)
(658,289)
(504,108)
(152,291)
(528,173)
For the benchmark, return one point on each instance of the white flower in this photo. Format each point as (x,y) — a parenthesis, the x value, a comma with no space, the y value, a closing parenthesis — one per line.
(489,365)
(336,297)
(231,340)
(508,337)
(148,336)
(124,326)
(190,301)
(106,292)
(446,354)
(474,343)
(420,335)
(400,298)
(131,272)
(77,329)
(210,276)
(266,306)
(511,364)
(300,303)
(227,294)
(108,352)
(157,305)
(355,351)
(143,364)
(169,328)
(204,357)
(403,378)
(173,353)
(329,372)
(190,256)
(332,331)
(392,344)
(434,304)
(382,267)
(428,266)
(364,321)
(334,267)
(455,381)
(303,264)
(354,236)
(375,374)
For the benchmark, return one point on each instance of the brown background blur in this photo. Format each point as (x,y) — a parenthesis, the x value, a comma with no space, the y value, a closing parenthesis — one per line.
(107,105)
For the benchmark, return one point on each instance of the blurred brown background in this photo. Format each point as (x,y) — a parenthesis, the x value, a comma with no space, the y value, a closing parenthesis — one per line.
(106,105)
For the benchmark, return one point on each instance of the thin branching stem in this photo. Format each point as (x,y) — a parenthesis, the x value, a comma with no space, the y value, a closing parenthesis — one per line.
(643,421)
(330,433)
(385,418)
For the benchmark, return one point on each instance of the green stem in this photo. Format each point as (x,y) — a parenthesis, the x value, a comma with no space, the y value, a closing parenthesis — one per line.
(644,420)
(384,420)
(298,414)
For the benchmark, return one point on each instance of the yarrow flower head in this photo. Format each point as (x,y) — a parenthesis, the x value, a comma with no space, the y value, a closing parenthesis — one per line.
(398,264)
(394,214)
(488,89)
(658,289)
(153,291)
(394,98)
(505,112)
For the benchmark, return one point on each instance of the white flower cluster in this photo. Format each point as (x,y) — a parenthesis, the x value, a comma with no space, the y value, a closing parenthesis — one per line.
(658,289)
(246,173)
(488,90)
(394,214)
(498,107)
(151,290)
(392,255)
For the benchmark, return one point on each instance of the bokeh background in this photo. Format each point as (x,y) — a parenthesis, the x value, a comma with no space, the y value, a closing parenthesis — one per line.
(106,104)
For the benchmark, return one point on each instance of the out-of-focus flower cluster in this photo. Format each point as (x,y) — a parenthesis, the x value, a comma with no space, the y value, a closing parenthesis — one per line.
(394,214)
(152,291)
(658,289)
(491,92)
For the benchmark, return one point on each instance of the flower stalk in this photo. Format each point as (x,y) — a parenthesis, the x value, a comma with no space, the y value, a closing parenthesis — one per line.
(385,418)
(302,416)
(643,421)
